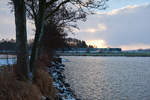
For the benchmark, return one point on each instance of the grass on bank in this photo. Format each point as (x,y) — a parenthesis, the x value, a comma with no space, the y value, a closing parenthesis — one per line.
(13,89)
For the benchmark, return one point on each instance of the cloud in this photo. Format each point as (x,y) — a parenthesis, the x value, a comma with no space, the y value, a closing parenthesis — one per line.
(123,9)
(120,27)
(91,30)
(99,28)
(97,43)
(102,27)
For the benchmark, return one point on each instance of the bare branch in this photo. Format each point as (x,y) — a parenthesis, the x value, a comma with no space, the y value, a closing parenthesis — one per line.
(50,3)
(57,8)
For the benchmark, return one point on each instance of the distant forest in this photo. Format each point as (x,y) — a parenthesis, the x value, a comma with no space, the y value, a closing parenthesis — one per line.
(76,43)
(10,45)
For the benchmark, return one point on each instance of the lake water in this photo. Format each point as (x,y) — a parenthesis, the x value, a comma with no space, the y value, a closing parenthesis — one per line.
(7,59)
(109,78)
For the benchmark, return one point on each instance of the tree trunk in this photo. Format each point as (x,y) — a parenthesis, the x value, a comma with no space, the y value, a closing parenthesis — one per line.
(39,24)
(36,47)
(21,40)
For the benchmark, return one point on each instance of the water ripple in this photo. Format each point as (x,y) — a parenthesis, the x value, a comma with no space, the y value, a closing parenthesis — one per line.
(109,78)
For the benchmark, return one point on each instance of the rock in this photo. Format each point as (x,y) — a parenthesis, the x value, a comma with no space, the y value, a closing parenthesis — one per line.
(43,98)
(47,98)
(64,91)
(66,84)
(57,59)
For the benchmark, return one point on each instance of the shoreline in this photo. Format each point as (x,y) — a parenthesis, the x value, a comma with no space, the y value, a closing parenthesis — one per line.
(107,54)
(64,90)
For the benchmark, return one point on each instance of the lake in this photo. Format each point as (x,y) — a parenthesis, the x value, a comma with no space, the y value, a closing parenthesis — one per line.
(7,59)
(109,78)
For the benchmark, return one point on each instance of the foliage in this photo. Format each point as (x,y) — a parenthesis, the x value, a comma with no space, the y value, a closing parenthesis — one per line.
(53,38)
(75,43)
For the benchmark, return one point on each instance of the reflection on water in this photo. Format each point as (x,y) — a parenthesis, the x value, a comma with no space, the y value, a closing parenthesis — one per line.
(109,78)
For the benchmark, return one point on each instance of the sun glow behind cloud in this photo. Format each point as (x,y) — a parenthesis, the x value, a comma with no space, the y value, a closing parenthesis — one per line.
(91,30)
(102,27)
(97,43)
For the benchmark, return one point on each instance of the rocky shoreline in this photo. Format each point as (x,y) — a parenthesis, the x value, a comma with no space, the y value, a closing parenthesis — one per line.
(64,91)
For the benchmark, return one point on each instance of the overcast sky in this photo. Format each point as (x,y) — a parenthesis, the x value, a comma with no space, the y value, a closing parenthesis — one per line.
(126,24)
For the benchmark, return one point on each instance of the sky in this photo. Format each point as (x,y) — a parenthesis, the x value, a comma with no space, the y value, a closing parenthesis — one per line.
(125,24)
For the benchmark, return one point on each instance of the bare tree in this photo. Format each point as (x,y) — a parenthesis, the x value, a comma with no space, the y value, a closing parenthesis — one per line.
(21,39)
(43,10)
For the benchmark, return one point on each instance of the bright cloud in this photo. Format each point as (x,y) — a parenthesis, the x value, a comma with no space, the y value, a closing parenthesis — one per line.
(124,9)
(98,28)
(91,30)
(97,43)
(102,27)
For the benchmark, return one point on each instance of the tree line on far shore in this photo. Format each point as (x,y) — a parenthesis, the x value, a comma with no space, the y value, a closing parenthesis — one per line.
(48,44)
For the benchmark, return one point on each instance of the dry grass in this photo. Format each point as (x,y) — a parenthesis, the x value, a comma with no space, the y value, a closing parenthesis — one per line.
(12,89)
(44,83)
(44,60)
